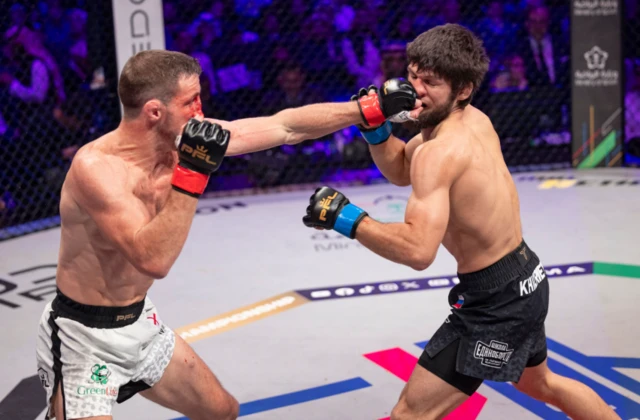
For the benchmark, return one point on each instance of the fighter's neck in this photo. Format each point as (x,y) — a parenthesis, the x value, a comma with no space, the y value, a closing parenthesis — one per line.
(143,147)
(430,133)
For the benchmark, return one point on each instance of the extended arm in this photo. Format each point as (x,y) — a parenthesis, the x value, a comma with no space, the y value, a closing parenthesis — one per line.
(294,125)
(289,126)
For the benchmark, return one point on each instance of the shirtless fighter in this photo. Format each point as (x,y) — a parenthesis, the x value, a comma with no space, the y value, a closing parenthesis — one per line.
(126,209)
(463,197)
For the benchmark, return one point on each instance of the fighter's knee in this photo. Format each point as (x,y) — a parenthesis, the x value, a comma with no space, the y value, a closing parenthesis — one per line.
(400,411)
(539,389)
(218,408)
(404,410)
(233,409)
(228,409)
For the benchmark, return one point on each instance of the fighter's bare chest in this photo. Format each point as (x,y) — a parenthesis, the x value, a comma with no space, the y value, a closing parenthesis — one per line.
(153,191)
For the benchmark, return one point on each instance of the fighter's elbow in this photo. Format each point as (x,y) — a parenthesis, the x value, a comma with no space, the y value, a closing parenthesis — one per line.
(400,181)
(292,138)
(420,261)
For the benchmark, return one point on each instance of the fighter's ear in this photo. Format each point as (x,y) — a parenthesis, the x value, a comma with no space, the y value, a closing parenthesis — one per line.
(465,92)
(154,110)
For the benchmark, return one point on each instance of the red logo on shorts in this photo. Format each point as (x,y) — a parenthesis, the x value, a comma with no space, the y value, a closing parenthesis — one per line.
(154,319)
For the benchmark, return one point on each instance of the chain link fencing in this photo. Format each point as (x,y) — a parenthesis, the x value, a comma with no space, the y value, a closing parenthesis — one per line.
(261,57)
(53,99)
(258,58)
(631,48)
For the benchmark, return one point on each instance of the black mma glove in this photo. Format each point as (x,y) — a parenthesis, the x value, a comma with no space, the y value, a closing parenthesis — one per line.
(200,152)
(330,209)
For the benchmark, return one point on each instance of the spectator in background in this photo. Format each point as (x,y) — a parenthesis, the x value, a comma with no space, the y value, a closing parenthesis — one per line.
(362,56)
(393,62)
(18,15)
(344,16)
(513,78)
(78,64)
(541,52)
(56,30)
(495,32)
(185,43)
(320,54)
(32,44)
(632,104)
(29,80)
(402,27)
(292,91)
(212,25)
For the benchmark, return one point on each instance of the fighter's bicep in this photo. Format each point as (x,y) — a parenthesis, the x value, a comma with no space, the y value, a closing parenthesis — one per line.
(429,214)
(104,195)
(433,172)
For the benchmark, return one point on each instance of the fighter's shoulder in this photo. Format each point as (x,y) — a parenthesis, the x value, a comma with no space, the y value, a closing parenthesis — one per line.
(94,173)
(92,161)
(444,157)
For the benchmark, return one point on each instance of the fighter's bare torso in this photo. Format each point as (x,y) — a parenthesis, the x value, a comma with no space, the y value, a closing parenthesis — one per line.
(484,219)
(90,269)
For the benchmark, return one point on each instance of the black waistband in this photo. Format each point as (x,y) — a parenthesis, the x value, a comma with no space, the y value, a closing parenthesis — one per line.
(96,316)
(521,261)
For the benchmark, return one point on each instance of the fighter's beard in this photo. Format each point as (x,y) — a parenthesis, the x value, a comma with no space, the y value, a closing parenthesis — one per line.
(432,117)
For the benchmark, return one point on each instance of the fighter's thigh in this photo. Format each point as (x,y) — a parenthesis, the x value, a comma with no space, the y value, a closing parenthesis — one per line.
(426,396)
(189,387)
(58,407)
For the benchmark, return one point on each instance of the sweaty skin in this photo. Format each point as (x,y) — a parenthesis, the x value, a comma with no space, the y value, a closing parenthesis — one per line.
(123,226)
(484,216)
(463,194)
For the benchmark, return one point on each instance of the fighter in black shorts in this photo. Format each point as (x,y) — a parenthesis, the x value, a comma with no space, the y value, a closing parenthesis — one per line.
(464,198)
(496,328)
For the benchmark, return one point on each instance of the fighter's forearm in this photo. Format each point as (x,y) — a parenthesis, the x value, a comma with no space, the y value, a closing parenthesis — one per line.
(158,244)
(395,242)
(290,126)
(313,121)
(390,159)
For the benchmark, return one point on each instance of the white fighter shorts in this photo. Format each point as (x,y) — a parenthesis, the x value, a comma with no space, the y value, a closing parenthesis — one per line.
(100,355)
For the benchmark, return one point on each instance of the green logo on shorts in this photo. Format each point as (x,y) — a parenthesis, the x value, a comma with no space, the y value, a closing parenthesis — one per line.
(100,374)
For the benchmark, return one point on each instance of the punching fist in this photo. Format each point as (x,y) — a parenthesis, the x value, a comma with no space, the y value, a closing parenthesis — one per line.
(201,149)
(396,99)
(330,209)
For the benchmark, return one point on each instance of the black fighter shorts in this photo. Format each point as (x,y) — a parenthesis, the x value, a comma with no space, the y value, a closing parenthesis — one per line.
(496,326)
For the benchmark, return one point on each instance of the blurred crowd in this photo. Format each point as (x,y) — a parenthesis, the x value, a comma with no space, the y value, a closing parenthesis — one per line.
(261,56)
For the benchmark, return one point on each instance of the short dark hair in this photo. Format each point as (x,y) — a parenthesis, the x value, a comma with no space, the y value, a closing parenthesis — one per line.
(452,52)
(153,74)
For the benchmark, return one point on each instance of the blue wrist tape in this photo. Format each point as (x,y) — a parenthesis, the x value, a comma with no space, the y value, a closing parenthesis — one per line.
(348,219)
(379,135)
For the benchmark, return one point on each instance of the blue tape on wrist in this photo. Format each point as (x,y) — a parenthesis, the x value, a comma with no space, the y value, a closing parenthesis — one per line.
(346,218)
(379,135)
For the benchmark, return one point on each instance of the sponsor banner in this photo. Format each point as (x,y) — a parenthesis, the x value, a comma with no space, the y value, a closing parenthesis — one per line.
(413,285)
(596,76)
(241,316)
(139,26)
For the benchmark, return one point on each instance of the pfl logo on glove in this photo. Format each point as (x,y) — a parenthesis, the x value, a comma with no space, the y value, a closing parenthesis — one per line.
(325,204)
(199,152)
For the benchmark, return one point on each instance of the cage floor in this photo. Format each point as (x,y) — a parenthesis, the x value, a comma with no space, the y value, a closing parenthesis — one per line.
(342,345)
